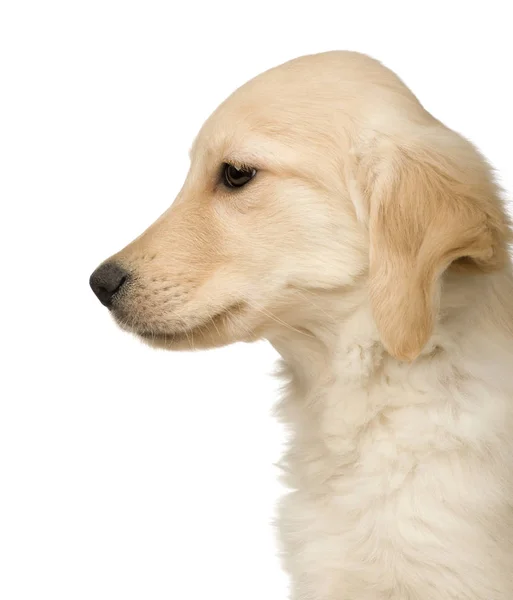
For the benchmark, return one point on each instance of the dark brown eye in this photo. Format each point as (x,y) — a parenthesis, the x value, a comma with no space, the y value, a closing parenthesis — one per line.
(236,178)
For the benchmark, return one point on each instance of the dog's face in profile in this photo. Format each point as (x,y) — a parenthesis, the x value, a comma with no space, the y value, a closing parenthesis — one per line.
(261,215)
(313,176)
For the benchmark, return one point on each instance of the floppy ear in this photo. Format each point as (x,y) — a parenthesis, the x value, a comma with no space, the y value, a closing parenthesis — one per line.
(427,212)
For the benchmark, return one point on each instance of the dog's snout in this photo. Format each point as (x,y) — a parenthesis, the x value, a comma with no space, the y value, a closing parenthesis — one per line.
(106,282)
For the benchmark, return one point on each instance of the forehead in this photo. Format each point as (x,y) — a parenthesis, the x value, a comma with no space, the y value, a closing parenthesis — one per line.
(306,99)
(260,122)
(226,131)
(308,109)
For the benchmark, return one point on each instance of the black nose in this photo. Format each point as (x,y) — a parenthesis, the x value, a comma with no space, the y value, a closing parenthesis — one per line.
(106,281)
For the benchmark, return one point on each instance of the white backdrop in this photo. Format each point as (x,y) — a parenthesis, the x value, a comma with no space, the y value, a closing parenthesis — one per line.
(127,473)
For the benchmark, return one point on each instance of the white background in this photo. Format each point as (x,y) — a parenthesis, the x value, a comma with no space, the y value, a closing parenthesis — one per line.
(127,473)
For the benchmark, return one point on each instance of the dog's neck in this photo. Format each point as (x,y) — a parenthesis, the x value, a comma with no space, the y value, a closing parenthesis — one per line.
(333,339)
(341,382)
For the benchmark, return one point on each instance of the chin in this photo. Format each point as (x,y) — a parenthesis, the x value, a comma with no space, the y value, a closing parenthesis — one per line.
(219,330)
(183,341)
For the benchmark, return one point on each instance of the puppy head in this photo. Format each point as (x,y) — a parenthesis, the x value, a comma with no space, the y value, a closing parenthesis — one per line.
(259,216)
(291,188)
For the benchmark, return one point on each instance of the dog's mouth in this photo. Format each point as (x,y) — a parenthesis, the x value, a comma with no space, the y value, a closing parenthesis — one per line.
(212,326)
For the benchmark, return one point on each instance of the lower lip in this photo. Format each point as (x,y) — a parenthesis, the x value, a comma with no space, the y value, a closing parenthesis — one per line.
(179,335)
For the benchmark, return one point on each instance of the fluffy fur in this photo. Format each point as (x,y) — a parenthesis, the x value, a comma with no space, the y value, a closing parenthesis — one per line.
(371,249)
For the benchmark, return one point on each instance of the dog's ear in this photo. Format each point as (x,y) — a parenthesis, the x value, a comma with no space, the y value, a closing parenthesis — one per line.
(427,211)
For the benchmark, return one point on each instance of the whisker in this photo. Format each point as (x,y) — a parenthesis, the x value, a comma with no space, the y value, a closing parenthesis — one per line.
(280,321)
(330,317)
(214,324)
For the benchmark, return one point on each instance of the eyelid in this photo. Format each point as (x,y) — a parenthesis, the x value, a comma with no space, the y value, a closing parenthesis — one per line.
(244,161)
(239,164)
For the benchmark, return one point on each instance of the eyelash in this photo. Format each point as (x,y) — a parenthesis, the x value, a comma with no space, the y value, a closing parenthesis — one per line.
(240,166)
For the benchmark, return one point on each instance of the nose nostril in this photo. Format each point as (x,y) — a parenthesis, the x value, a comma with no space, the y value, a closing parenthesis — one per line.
(122,282)
(107,281)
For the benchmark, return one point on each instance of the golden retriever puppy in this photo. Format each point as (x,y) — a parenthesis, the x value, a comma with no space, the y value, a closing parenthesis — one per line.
(327,211)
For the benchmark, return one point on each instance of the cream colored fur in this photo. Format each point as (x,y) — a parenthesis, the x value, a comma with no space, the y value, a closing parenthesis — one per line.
(371,250)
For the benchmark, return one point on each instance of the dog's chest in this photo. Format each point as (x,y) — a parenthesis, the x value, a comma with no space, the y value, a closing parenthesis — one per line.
(381,482)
